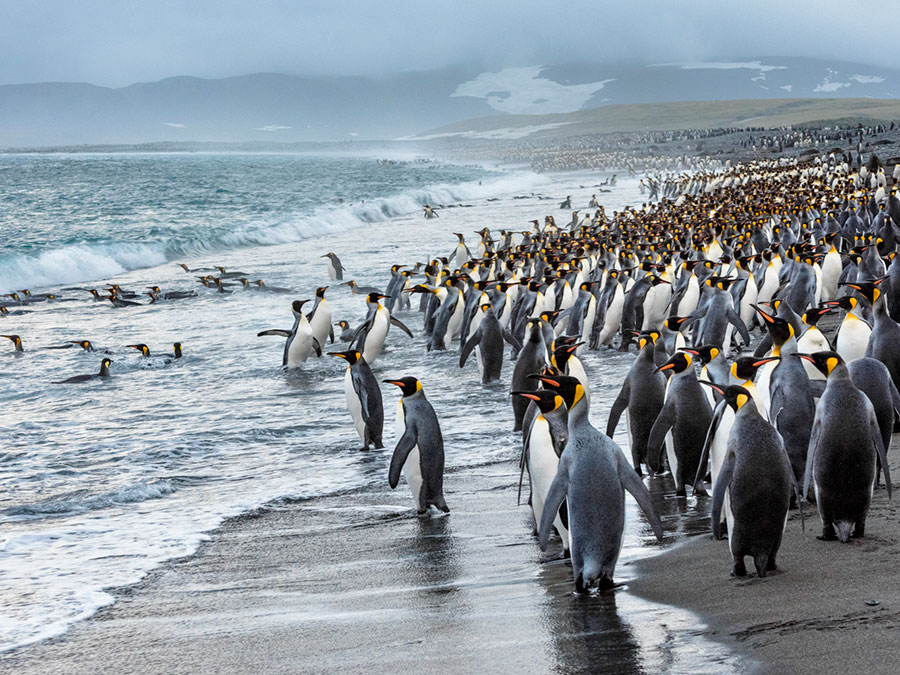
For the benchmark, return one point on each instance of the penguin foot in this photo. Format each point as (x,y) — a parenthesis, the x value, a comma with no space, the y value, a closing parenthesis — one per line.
(828,534)
(739,569)
(681,493)
(858,532)
(771,566)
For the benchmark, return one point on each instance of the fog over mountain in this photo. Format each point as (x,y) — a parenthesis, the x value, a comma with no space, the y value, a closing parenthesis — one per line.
(286,108)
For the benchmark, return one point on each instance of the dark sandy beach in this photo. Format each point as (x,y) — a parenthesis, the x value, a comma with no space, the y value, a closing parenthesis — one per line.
(356,583)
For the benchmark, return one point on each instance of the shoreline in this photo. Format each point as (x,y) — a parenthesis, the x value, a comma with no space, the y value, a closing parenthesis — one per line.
(815,614)
(359,572)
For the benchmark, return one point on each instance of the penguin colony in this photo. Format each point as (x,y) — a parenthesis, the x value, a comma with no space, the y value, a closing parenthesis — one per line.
(735,390)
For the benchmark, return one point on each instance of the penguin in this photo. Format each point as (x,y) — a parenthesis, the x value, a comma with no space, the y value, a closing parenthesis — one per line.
(531,361)
(430,212)
(320,318)
(592,477)
(757,478)
(488,343)
(813,340)
(17,342)
(853,334)
(347,332)
(682,422)
(641,399)
(263,286)
(224,274)
(300,339)
(356,289)
(372,332)
(420,450)
(843,447)
(542,444)
(104,372)
(335,268)
(791,406)
(461,253)
(142,348)
(363,398)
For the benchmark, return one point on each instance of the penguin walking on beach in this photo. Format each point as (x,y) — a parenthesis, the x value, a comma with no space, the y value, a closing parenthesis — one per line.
(592,477)
(371,334)
(641,399)
(300,339)
(363,398)
(682,422)
(420,450)
(843,447)
(757,477)
(542,444)
(335,268)
(320,318)
(487,341)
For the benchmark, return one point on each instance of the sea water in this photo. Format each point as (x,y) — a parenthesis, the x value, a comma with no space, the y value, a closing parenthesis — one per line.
(102,481)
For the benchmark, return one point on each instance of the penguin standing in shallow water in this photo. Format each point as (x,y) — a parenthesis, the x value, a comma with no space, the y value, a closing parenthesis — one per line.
(757,477)
(300,339)
(487,341)
(320,318)
(420,450)
(592,477)
(363,398)
(335,268)
(845,441)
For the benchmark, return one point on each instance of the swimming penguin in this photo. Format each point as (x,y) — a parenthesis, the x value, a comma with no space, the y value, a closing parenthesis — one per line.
(347,332)
(487,341)
(531,361)
(263,286)
(682,422)
(420,450)
(300,339)
(756,475)
(542,444)
(363,398)
(224,274)
(335,268)
(142,348)
(17,342)
(356,289)
(845,442)
(641,399)
(320,317)
(104,372)
(592,477)
(372,332)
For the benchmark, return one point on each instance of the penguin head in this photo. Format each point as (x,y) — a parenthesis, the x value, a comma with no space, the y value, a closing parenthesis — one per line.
(485,307)
(85,345)
(812,315)
(16,340)
(106,362)
(421,288)
(706,353)
(679,363)
(848,302)
(549,316)
(351,356)
(568,387)
(408,385)
(646,339)
(3,310)
(745,367)
(461,237)
(343,324)
(675,322)
(734,395)
(155,289)
(547,400)
(561,354)
(373,298)
(825,362)
(297,306)
(320,291)
(868,289)
(780,330)
(176,349)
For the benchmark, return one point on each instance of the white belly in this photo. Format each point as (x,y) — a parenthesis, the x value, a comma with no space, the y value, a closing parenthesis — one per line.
(354,406)
(321,323)
(454,327)
(543,463)
(375,338)
(613,317)
(812,341)
(751,294)
(853,339)
(413,472)
(301,346)
(690,298)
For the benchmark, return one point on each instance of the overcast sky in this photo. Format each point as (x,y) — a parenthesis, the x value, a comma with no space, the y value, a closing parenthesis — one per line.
(118,42)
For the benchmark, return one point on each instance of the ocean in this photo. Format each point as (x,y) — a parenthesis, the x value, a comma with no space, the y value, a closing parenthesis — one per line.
(101,482)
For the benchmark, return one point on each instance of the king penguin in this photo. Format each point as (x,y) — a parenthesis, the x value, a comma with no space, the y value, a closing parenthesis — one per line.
(300,339)
(335,268)
(363,398)
(420,450)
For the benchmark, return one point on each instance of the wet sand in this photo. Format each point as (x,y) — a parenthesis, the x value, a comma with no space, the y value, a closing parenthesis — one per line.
(830,607)
(356,583)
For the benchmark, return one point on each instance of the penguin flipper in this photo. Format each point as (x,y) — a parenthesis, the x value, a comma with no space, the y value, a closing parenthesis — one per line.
(738,323)
(401,326)
(317,347)
(664,422)
(618,407)
(724,480)
(404,446)
(359,386)
(875,433)
(558,489)
(811,455)
(512,340)
(710,435)
(764,346)
(275,331)
(469,346)
(632,482)
(331,333)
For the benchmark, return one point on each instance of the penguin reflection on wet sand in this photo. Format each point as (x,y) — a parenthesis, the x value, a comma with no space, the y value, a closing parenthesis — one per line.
(420,450)
(843,446)
(363,398)
(592,477)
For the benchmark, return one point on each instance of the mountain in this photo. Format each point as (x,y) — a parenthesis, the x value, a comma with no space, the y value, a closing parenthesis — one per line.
(287,108)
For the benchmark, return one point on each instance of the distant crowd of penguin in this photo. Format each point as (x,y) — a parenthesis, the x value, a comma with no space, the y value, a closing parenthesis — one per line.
(765,248)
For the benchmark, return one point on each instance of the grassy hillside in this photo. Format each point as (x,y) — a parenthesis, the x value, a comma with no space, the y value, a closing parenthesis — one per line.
(688,115)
